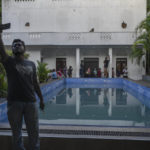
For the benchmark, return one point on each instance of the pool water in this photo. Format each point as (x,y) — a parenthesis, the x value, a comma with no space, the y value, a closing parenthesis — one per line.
(97,107)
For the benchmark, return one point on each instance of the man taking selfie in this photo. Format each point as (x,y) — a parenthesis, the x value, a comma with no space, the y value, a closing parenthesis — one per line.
(22,85)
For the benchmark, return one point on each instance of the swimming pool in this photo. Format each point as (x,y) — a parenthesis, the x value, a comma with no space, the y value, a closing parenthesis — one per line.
(94,102)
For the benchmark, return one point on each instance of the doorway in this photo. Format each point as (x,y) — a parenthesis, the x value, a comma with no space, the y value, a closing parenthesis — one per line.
(121,63)
(60,63)
(92,63)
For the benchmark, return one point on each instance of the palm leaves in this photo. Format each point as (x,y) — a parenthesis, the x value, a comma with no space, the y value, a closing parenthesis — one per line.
(42,71)
(148,5)
(3,87)
(3,83)
(141,46)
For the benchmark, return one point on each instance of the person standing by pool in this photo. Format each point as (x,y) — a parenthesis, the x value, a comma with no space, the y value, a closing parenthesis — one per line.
(81,71)
(65,71)
(113,73)
(70,71)
(95,72)
(106,62)
(99,73)
(21,101)
(54,74)
(125,72)
(60,74)
(88,72)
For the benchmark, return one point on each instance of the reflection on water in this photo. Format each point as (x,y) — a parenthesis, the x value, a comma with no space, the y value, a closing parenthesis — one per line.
(96,106)
(88,96)
(70,92)
(121,97)
(61,97)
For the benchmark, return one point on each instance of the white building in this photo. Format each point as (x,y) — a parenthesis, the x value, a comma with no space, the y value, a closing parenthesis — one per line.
(73,31)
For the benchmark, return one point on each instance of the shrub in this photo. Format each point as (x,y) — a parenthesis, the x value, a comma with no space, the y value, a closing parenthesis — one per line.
(3,82)
(42,71)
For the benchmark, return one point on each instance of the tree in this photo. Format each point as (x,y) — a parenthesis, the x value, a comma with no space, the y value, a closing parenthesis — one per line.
(42,71)
(148,5)
(3,82)
(141,46)
(0,11)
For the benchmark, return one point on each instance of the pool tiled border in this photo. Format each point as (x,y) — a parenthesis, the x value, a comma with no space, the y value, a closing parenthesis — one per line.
(55,86)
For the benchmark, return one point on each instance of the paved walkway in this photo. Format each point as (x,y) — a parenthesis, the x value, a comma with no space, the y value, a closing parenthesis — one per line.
(49,81)
(141,82)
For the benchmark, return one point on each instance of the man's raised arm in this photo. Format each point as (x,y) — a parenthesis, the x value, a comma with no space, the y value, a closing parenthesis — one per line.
(3,54)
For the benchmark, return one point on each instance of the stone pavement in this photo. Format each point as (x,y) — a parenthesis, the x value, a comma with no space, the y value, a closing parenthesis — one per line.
(141,82)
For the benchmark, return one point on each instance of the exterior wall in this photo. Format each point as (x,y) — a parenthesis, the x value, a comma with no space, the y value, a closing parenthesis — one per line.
(70,22)
(73,15)
(34,56)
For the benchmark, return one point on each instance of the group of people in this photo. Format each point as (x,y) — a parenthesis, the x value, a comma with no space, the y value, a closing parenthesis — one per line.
(97,72)
(61,73)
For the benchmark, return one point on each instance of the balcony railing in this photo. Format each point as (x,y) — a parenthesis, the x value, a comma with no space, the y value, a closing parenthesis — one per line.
(55,38)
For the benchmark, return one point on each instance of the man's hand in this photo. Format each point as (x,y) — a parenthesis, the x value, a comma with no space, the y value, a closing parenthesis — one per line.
(42,105)
(4,27)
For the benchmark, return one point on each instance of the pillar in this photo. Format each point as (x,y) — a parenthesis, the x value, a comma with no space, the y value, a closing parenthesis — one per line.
(77,63)
(110,63)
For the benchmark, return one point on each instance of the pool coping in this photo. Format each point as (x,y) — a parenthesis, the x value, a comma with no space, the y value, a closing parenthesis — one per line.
(61,131)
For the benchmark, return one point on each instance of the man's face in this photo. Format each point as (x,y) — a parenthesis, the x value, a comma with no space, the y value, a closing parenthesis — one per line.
(18,48)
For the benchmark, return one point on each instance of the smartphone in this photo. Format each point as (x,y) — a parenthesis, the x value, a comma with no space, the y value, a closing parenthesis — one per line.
(5,26)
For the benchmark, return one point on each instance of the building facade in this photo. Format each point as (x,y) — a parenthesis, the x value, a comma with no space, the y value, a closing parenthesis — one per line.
(71,32)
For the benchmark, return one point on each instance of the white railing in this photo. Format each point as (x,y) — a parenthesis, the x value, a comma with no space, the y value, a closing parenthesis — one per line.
(54,38)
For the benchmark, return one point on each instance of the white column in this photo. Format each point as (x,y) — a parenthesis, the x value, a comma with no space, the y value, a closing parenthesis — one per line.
(77,62)
(77,102)
(110,63)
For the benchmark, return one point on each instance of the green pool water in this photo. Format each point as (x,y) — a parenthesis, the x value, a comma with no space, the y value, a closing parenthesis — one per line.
(95,106)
